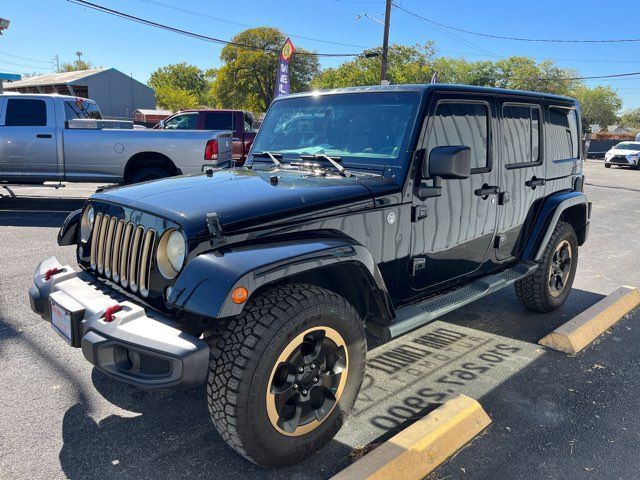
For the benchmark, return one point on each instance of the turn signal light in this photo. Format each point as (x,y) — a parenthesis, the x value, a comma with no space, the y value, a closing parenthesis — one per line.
(239,295)
(109,313)
(211,150)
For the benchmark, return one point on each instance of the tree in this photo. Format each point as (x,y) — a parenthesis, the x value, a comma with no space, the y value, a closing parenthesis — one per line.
(406,64)
(631,118)
(175,99)
(180,82)
(599,105)
(78,64)
(417,64)
(247,76)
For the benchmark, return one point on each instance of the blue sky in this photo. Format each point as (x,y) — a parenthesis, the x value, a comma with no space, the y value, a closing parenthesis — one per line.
(41,29)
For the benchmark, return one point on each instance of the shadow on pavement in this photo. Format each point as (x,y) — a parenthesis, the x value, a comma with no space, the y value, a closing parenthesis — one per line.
(171,437)
(168,434)
(37,212)
(502,314)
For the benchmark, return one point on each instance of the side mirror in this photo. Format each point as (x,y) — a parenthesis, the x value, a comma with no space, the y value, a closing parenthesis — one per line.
(448,163)
(161,124)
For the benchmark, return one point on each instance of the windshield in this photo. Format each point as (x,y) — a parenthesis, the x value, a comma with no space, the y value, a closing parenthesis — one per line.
(81,108)
(627,146)
(364,128)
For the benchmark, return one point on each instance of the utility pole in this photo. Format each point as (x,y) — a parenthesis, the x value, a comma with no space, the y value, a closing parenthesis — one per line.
(385,43)
(56,62)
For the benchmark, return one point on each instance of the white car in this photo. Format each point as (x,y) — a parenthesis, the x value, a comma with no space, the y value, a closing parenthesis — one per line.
(625,154)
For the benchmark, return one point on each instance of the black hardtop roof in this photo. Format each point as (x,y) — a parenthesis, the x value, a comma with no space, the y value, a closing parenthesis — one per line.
(426,87)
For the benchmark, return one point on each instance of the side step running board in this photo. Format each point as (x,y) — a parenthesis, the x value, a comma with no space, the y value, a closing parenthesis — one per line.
(418,314)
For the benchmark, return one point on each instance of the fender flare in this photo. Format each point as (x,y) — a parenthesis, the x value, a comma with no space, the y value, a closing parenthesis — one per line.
(550,212)
(205,285)
(70,229)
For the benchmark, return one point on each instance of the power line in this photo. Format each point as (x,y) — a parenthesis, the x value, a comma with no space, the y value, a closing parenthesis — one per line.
(460,39)
(240,24)
(23,65)
(200,36)
(518,39)
(25,58)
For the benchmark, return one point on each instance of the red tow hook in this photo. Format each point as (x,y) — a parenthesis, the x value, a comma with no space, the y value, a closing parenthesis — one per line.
(109,313)
(50,273)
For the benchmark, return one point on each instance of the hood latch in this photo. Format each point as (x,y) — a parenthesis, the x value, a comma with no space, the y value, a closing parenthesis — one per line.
(215,229)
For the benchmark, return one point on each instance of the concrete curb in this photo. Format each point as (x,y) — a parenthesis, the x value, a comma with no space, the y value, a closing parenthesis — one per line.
(422,447)
(584,328)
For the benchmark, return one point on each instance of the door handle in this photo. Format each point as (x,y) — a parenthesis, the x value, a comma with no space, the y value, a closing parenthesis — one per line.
(535,182)
(487,190)
(43,135)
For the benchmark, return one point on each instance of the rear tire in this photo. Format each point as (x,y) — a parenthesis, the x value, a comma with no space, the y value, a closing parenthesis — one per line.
(550,285)
(285,373)
(148,173)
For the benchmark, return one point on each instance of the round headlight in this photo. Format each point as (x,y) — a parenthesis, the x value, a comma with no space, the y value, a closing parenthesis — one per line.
(171,253)
(86,224)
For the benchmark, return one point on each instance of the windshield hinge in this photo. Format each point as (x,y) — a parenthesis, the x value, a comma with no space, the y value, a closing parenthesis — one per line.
(215,229)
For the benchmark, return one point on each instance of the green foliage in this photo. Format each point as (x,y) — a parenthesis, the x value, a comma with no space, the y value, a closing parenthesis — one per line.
(417,64)
(631,118)
(75,66)
(599,105)
(174,99)
(247,77)
(406,64)
(180,82)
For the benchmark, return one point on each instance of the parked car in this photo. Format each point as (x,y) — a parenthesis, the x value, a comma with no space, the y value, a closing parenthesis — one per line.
(395,205)
(240,122)
(63,138)
(624,154)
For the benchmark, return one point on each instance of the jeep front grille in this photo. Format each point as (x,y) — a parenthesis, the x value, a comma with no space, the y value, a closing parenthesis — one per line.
(122,251)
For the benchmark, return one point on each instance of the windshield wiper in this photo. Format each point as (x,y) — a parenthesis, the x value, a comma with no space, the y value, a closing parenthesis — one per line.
(332,160)
(273,156)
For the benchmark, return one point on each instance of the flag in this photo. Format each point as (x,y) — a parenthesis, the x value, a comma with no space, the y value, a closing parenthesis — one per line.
(434,77)
(282,79)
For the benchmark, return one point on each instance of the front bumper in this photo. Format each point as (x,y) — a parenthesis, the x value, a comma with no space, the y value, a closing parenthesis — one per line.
(139,347)
(625,162)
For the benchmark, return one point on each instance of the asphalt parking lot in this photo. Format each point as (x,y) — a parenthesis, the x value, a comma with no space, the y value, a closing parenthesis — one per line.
(554,416)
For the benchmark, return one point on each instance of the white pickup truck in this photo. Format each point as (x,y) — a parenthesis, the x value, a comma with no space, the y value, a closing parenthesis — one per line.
(64,138)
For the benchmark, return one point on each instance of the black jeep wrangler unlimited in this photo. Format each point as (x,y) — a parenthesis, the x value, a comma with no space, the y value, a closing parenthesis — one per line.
(378,207)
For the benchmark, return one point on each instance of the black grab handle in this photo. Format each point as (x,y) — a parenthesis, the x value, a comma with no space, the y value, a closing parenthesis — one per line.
(487,190)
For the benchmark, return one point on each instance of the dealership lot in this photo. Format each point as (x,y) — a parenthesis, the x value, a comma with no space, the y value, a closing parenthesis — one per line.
(554,416)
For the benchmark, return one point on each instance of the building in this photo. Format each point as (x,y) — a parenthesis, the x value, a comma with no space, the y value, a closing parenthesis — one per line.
(117,94)
(150,117)
(616,129)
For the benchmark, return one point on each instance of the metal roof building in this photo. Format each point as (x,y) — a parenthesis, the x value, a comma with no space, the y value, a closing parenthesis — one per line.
(117,94)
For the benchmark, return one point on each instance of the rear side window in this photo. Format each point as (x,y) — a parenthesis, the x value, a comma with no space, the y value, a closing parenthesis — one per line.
(462,124)
(218,121)
(81,109)
(521,135)
(563,133)
(26,112)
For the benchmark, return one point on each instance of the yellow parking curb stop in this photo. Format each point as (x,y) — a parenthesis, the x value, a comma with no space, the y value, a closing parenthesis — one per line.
(584,328)
(422,447)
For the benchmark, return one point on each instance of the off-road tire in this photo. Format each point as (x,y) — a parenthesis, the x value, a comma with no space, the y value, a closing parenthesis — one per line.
(242,360)
(146,174)
(533,291)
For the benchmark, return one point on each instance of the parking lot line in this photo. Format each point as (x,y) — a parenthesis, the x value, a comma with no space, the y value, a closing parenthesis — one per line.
(420,448)
(584,328)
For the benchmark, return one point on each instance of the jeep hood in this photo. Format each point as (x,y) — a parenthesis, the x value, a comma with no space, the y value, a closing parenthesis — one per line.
(242,198)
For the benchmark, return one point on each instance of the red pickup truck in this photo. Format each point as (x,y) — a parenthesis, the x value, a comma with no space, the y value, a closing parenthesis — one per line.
(240,122)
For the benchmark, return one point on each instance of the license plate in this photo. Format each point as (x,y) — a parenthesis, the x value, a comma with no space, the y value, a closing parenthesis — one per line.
(61,321)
